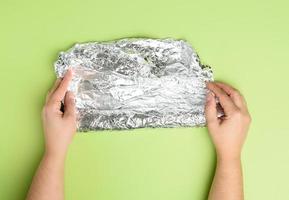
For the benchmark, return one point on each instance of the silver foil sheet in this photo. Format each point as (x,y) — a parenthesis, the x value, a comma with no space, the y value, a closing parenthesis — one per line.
(134,83)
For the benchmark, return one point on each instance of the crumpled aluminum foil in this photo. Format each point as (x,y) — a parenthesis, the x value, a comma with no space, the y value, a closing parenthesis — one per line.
(134,83)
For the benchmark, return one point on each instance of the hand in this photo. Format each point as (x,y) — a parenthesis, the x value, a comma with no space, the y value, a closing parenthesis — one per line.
(229,132)
(59,127)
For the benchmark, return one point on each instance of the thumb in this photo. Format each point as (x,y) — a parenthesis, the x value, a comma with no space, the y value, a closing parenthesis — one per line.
(211,110)
(69,105)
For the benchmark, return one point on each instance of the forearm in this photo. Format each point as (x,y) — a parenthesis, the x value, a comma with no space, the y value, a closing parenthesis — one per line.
(228,181)
(48,182)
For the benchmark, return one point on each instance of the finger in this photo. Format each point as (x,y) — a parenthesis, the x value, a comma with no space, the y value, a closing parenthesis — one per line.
(211,111)
(60,91)
(55,85)
(225,101)
(235,95)
(69,105)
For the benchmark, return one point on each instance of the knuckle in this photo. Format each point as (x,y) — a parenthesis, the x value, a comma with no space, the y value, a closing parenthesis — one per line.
(245,117)
(222,92)
(43,111)
(47,95)
(210,120)
(222,96)
(241,97)
(236,113)
(71,117)
(236,92)
(53,98)
(71,102)
(248,118)
(47,108)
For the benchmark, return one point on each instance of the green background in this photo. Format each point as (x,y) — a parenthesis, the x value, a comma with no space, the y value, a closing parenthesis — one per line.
(246,43)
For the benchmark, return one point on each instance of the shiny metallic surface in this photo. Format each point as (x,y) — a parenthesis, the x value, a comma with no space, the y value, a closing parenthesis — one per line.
(134,83)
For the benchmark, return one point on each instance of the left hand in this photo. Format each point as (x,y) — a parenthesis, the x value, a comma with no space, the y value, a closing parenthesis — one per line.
(59,127)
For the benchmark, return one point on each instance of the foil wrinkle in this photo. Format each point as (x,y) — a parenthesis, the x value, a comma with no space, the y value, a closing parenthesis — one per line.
(135,83)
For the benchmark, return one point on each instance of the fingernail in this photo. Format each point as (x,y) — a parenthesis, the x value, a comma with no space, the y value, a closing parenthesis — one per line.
(209,96)
(70,94)
(70,70)
(208,83)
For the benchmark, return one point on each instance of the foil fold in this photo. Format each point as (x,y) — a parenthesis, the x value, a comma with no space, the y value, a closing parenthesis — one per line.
(136,83)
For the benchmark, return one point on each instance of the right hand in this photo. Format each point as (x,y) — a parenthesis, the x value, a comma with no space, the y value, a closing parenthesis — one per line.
(229,132)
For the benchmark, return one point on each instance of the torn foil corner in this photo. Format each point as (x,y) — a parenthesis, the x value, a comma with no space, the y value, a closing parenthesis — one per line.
(134,83)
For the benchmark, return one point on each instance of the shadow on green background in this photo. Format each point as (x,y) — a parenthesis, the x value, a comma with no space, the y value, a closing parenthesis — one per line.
(245,42)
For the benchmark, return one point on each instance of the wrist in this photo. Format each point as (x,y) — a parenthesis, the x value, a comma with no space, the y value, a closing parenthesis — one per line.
(228,153)
(56,149)
(55,155)
(228,158)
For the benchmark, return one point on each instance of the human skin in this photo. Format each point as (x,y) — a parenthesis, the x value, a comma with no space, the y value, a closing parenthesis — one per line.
(59,129)
(228,135)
